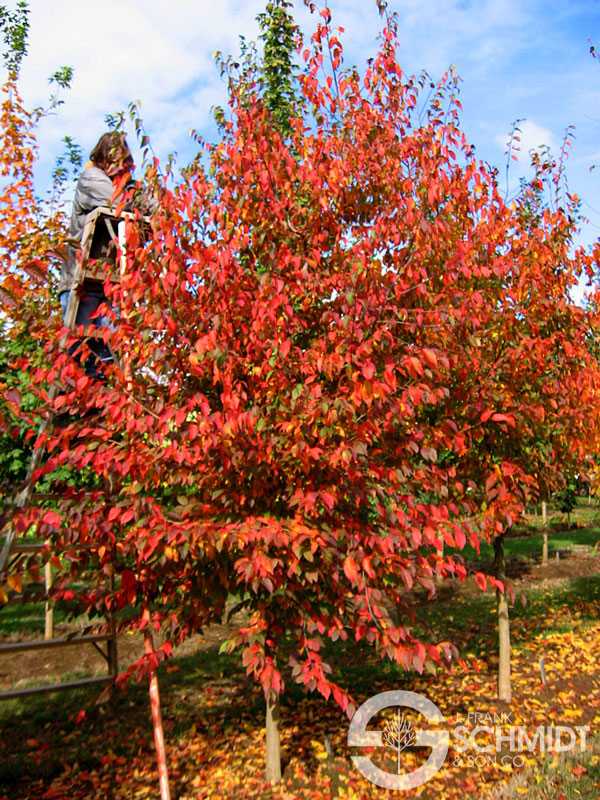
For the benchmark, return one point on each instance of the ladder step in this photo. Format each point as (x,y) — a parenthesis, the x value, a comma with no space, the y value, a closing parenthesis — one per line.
(101,275)
(37,548)
(41,644)
(55,687)
(40,496)
(26,548)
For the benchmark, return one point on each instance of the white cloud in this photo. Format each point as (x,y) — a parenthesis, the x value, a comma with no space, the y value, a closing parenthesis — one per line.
(518,58)
(162,54)
(148,50)
(529,136)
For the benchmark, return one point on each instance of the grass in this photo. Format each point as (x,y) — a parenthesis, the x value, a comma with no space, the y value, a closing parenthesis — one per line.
(525,541)
(583,512)
(459,615)
(571,776)
(524,545)
(470,622)
(18,616)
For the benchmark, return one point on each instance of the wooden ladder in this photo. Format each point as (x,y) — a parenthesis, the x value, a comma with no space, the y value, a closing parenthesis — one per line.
(103,234)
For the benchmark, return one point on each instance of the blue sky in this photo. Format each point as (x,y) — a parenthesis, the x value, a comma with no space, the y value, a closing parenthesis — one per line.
(517,60)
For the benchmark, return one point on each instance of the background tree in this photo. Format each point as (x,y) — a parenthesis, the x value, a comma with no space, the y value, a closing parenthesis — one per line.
(31,237)
(280,37)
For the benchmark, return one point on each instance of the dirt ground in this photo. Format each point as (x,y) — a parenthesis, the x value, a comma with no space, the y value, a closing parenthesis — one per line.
(84,660)
(80,661)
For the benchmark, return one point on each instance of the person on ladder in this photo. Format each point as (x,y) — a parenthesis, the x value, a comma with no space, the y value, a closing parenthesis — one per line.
(110,161)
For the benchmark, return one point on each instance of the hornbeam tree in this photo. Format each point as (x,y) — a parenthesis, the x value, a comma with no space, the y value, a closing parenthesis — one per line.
(339,350)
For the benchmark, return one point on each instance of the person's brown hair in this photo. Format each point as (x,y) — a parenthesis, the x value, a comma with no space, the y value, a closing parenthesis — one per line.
(111,148)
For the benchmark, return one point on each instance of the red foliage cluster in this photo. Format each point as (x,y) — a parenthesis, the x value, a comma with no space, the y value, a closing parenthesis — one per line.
(341,352)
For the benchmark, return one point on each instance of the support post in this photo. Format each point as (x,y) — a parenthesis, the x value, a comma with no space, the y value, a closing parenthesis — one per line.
(49,610)
(112,652)
(504,678)
(544,534)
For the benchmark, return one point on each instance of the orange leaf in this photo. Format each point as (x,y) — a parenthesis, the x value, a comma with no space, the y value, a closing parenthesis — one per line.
(351,569)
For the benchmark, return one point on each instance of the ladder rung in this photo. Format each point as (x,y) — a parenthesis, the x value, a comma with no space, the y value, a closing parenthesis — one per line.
(41,644)
(40,496)
(37,548)
(26,548)
(55,687)
(101,275)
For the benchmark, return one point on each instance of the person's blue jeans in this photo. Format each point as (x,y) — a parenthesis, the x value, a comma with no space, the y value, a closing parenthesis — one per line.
(92,295)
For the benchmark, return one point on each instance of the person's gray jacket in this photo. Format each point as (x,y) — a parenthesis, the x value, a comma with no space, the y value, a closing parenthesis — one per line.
(94,188)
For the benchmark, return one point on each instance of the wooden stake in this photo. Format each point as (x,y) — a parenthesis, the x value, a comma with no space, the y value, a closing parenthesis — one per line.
(543,671)
(49,610)
(159,735)
(112,652)
(504,675)
(544,534)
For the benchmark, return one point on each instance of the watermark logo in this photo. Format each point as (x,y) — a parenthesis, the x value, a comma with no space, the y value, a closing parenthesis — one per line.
(490,738)
(399,734)
(487,739)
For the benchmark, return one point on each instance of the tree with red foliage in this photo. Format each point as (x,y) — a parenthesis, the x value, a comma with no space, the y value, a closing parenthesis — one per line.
(340,348)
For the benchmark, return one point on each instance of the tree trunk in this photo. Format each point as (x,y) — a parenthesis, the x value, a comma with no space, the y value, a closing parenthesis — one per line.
(159,736)
(504,681)
(49,611)
(438,578)
(273,745)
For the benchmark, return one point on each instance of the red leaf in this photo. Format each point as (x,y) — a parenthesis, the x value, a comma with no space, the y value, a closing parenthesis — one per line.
(13,397)
(328,500)
(430,357)
(491,481)
(368,370)
(284,348)
(128,580)
(414,365)
(460,538)
(579,770)
(52,518)
(504,418)
(128,515)
(481,581)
